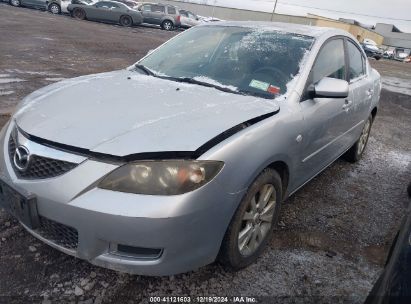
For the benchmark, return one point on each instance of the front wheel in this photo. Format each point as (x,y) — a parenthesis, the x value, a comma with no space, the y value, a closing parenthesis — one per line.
(79,13)
(167,25)
(54,8)
(126,21)
(15,2)
(252,224)
(355,153)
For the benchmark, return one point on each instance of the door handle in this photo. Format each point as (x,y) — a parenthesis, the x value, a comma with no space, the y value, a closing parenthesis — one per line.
(347,104)
(370,92)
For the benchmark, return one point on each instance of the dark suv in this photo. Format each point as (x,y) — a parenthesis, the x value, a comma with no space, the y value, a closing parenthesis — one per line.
(167,16)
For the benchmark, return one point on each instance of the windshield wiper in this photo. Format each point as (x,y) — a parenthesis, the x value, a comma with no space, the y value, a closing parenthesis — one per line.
(203,83)
(145,69)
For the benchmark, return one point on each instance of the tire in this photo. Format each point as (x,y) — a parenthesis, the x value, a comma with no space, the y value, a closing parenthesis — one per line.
(15,3)
(236,254)
(79,13)
(167,25)
(355,153)
(54,8)
(126,21)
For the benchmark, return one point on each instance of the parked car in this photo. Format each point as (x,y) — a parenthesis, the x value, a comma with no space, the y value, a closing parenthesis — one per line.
(54,6)
(402,54)
(106,11)
(372,51)
(167,16)
(39,4)
(58,6)
(389,53)
(188,19)
(187,155)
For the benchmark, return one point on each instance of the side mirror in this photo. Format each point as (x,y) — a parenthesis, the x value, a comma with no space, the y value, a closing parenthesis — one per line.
(330,88)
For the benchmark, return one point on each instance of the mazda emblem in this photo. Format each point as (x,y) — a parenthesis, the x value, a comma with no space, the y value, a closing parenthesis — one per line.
(21,158)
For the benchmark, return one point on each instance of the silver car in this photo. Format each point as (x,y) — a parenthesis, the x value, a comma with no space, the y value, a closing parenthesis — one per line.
(188,19)
(106,11)
(187,155)
(166,16)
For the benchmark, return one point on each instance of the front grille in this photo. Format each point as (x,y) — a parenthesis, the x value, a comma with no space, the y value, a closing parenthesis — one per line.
(39,167)
(57,233)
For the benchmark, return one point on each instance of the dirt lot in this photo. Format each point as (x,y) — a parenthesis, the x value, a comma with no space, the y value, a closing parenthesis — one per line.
(334,233)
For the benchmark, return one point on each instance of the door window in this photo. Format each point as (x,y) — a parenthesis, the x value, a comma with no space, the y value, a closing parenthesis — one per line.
(108,5)
(330,61)
(356,61)
(157,9)
(147,8)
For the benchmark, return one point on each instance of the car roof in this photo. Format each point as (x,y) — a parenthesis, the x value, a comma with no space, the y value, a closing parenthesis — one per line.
(157,3)
(307,30)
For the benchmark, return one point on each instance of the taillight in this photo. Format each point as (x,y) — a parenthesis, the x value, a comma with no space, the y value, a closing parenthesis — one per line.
(178,18)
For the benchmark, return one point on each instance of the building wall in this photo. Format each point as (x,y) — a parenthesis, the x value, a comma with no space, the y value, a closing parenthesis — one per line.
(243,15)
(357,31)
(226,13)
(395,39)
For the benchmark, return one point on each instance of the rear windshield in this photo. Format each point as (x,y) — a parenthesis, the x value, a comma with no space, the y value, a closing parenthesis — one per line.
(253,61)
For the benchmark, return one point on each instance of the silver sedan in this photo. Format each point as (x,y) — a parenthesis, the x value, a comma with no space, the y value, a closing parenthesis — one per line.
(105,11)
(186,156)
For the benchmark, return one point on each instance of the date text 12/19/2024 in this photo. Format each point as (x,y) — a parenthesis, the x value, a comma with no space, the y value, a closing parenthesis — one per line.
(202,299)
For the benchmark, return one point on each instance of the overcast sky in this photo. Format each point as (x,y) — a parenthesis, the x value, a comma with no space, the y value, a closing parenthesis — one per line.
(383,10)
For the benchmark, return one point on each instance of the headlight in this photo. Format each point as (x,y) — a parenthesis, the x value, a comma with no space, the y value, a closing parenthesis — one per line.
(167,177)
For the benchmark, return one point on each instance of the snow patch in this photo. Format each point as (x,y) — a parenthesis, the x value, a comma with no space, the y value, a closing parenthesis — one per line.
(55,79)
(396,85)
(10,80)
(18,71)
(4,93)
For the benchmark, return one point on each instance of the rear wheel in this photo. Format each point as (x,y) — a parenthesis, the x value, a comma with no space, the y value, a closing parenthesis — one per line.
(252,225)
(79,13)
(15,2)
(167,25)
(354,154)
(54,8)
(126,21)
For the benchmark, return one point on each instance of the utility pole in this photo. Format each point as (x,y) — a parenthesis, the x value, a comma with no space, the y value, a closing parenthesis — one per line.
(275,5)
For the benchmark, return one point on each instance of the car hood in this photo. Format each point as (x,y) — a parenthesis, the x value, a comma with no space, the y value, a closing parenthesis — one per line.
(124,112)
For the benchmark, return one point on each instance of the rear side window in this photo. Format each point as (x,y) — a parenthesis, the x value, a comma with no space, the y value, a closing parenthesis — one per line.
(107,5)
(147,8)
(171,10)
(158,9)
(356,61)
(330,61)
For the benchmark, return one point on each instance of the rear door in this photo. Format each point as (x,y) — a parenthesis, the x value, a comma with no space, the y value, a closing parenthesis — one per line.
(146,12)
(361,90)
(97,11)
(157,13)
(115,12)
(325,119)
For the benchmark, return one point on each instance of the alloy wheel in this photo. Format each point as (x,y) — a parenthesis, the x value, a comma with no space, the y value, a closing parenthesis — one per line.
(257,220)
(364,136)
(54,9)
(167,26)
(15,2)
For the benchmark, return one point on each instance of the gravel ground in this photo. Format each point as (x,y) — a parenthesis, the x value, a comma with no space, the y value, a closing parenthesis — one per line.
(334,233)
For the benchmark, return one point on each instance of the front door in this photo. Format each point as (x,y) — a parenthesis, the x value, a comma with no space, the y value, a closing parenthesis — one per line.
(326,120)
(361,91)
